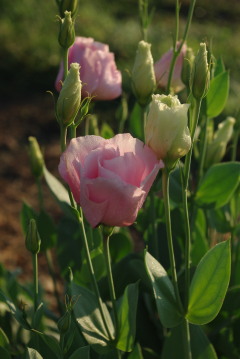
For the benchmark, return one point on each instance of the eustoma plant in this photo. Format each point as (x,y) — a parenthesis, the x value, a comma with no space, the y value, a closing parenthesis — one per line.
(150,217)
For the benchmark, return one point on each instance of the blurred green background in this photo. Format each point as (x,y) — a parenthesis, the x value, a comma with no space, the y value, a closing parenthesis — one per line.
(30,53)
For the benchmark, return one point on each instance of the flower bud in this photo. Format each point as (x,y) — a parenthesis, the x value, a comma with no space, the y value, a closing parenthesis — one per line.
(67,33)
(64,322)
(143,76)
(166,131)
(187,66)
(200,75)
(33,240)
(69,100)
(216,149)
(68,5)
(36,157)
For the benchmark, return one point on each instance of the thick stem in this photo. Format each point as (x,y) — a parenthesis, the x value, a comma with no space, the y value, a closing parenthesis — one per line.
(110,280)
(165,188)
(35,280)
(92,274)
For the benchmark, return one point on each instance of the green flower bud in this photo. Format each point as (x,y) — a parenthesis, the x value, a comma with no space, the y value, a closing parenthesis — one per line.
(200,75)
(143,75)
(187,67)
(64,322)
(67,33)
(36,157)
(216,149)
(166,131)
(33,240)
(69,100)
(68,5)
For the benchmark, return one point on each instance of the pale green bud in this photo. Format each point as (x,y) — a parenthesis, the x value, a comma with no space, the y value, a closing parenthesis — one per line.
(68,5)
(69,100)
(187,67)
(33,240)
(36,157)
(66,36)
(64,322)
(216,149)
(200,77)
(143,75)
(166,131)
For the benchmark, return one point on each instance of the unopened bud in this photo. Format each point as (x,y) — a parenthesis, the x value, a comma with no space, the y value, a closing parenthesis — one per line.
(64,322)
(69,100)
(200,74)
(187,66)
(66,36)
(143,76)
(68,5)
(166,130)
(33,240)
(217,148)
(36,157)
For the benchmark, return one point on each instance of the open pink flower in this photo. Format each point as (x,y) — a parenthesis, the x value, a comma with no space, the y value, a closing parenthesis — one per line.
(162,68)
(98,71)
(111,178)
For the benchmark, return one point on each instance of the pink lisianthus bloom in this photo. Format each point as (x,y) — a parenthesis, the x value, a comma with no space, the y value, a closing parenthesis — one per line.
(162,68)
(110,179)
(98,72)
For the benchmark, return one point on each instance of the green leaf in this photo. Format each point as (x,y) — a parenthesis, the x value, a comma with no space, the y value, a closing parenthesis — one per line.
(33,354)
(18,314)
(127,318)
(135,122)
(199,241)
(120,245)
(163,293)
(209,284)
(106,131)
(89,318)
(4,354)
(217,94)
(200,345)
(47,230)
(82,353)
(136,353)
(4,342)
(58,191)
(219,68)
(27,213)
(218,185)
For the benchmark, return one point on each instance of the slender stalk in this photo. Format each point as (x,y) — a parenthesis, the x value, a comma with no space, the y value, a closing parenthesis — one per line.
(186,340)
(92,274)
(110,280)
(165,188)
(65,63)
(185,180)
(53,276)
(176,51)
(35,280)
(203,149)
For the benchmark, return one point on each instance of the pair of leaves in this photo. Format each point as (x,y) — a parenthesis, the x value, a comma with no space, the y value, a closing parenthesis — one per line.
(207,290)
(89,318)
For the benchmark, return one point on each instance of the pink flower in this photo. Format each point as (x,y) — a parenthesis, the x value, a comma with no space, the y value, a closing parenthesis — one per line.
(98,71)
(162,68)
(111,178)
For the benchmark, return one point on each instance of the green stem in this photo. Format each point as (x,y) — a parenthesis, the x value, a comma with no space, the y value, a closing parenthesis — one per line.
(65,63)
(165,189)
(92,274)
(185,179)
(53,276)
(186,340)
(110,280)
(203,149)
(35,280)
(176,51)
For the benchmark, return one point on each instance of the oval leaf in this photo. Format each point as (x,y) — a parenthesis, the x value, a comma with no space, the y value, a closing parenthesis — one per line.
(163,293)
(209,284)
(33,354)
(217,94)
(82,353)
(218,185)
